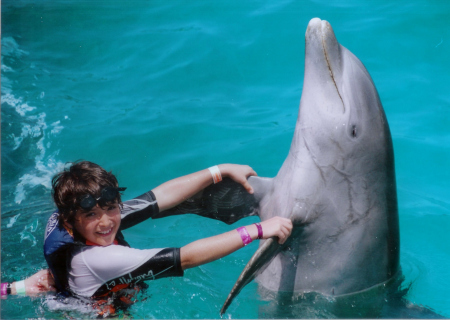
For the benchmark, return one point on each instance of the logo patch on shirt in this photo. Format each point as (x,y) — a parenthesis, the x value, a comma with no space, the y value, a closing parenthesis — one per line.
(51,224)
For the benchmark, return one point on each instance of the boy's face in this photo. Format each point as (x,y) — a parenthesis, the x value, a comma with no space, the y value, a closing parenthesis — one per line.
(99,225)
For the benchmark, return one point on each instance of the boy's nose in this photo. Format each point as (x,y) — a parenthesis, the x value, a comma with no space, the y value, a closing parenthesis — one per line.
(104,220)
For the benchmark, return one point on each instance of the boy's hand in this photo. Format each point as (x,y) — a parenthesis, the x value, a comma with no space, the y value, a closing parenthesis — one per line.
(42,281)
(277,227)
(238,173)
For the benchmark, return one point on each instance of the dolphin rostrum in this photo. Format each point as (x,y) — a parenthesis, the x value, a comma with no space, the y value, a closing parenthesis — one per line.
(337,185)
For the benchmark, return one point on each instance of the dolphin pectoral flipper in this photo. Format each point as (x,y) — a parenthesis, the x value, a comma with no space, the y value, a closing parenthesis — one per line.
(227,201)
(256,264)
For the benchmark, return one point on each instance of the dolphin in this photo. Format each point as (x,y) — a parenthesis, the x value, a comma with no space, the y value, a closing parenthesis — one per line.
(337,185)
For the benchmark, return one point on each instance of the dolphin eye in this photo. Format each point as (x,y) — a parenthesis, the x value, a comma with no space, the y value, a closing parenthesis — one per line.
(354,131)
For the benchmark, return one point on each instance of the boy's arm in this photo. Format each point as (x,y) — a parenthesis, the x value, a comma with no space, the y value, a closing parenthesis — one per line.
(173,192)
(40,282)
(213,248)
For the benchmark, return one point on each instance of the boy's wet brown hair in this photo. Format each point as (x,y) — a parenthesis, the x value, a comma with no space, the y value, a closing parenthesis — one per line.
(79,179)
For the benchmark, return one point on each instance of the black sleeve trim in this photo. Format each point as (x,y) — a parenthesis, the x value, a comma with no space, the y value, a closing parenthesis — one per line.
(166,263)
(139,209)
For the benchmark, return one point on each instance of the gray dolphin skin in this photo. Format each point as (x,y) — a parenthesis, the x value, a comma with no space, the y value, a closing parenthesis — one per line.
(337,185)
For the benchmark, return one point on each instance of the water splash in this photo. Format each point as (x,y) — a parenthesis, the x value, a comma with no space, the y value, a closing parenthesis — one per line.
(27,233)
(42,175)
(33,128)
(20,107)
(12,221)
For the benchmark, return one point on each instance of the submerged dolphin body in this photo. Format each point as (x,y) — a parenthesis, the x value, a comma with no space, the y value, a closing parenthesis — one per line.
(337,185)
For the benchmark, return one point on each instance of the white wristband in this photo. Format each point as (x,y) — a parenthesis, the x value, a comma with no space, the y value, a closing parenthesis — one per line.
(215,172)
(20,287)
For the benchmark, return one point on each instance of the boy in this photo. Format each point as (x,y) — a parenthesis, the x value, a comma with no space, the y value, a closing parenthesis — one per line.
(86,250)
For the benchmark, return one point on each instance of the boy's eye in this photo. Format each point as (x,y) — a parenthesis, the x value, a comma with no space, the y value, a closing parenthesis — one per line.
(90,214)
(112,207)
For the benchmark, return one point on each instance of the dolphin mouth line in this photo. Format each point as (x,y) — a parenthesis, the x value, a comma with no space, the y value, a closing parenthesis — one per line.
(329,67)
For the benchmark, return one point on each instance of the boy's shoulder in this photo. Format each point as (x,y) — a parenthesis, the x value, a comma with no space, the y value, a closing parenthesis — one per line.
(56,236)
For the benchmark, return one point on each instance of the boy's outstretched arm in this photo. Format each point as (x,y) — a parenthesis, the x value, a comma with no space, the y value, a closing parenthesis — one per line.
(40,282)
(209,249)
(173,192)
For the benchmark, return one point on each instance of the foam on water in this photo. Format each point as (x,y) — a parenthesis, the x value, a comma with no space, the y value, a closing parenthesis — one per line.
(21,108)
(42,175)
(34,129)
(12,221)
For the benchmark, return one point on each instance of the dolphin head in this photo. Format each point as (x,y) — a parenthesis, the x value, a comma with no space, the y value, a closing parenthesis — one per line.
(340,110)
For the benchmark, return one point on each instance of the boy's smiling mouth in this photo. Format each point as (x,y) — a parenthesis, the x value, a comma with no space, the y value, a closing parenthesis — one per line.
(105,233)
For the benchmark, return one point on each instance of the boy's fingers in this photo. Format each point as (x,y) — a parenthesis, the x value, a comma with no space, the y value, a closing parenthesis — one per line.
(247,187)
(285,232)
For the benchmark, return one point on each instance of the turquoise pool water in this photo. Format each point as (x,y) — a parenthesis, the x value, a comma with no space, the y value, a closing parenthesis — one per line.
(156,89)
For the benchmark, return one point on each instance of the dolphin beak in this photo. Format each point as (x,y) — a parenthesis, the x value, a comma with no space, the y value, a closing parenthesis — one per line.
(260,259)
(323,54)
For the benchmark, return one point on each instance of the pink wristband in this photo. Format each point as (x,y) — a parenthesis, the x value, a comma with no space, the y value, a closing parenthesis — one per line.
(4,292)
(260,232)
(245,236)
